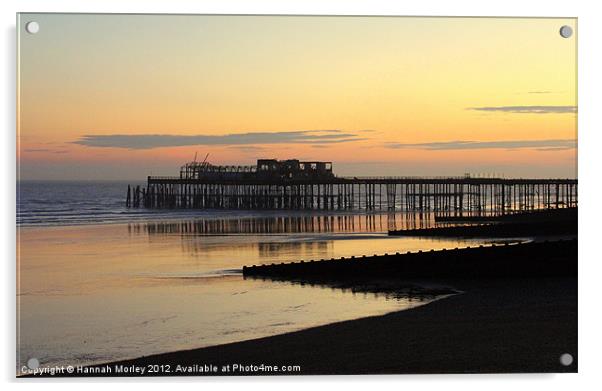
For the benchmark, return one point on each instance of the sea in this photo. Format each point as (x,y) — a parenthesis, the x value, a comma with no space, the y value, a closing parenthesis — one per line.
(99,282)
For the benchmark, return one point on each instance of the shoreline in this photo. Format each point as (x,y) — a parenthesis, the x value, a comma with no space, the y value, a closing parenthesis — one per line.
(494,326)
(187,214)
(517,313)
(381,290)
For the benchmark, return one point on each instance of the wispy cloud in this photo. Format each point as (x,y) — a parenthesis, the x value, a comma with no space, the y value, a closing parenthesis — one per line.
(553,149)
(44,150)
(148,141)
(540,92)
(528,109)
(247,148)
(540,145)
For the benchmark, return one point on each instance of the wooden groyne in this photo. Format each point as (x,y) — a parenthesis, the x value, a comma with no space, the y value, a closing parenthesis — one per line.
(493,230)
(526,224)
(292,184)
(534,259)
(537,215)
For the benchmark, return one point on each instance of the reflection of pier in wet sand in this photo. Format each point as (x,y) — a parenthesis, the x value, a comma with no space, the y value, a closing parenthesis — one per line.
(291,224)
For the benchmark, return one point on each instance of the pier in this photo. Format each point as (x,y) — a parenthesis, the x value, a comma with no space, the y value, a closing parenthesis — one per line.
(297,185)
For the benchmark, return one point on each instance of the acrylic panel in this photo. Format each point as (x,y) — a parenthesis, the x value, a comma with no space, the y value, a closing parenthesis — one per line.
(295,195)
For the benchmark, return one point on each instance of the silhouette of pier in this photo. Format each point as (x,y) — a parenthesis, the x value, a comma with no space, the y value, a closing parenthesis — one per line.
(297,185)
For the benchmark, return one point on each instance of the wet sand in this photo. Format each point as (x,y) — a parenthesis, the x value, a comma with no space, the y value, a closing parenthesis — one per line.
(523,322)
(101,293)
(503,325)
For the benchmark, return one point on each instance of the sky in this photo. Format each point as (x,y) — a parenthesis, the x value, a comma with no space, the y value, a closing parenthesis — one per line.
(126,96)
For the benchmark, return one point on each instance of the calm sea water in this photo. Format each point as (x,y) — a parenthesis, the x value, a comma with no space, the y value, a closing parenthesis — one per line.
(55,203)
(71,203)
(99,282)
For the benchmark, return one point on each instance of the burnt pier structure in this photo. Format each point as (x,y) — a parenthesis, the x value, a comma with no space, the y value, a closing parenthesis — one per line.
(294,184)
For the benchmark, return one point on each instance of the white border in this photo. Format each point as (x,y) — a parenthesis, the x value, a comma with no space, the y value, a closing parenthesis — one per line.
(590,31)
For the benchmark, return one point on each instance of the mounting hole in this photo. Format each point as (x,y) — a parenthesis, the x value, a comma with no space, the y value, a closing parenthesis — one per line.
(566,31)
(566,359)
(32,27)
(33,363)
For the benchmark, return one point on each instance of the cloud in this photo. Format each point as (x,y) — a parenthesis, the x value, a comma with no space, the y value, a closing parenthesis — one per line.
(540,145)
(148,141)
(553,149)
(248,148)
(44,150)
(529,109)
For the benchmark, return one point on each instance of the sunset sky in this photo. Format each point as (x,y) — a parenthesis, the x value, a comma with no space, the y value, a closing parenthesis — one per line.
(123,97)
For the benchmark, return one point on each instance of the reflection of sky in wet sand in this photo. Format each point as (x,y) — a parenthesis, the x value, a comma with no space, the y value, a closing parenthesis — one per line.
(98,293)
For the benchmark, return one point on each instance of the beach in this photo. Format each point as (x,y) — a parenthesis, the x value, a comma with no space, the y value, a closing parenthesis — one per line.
(108,291)
(149,291)
(517,325)
(295,195)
